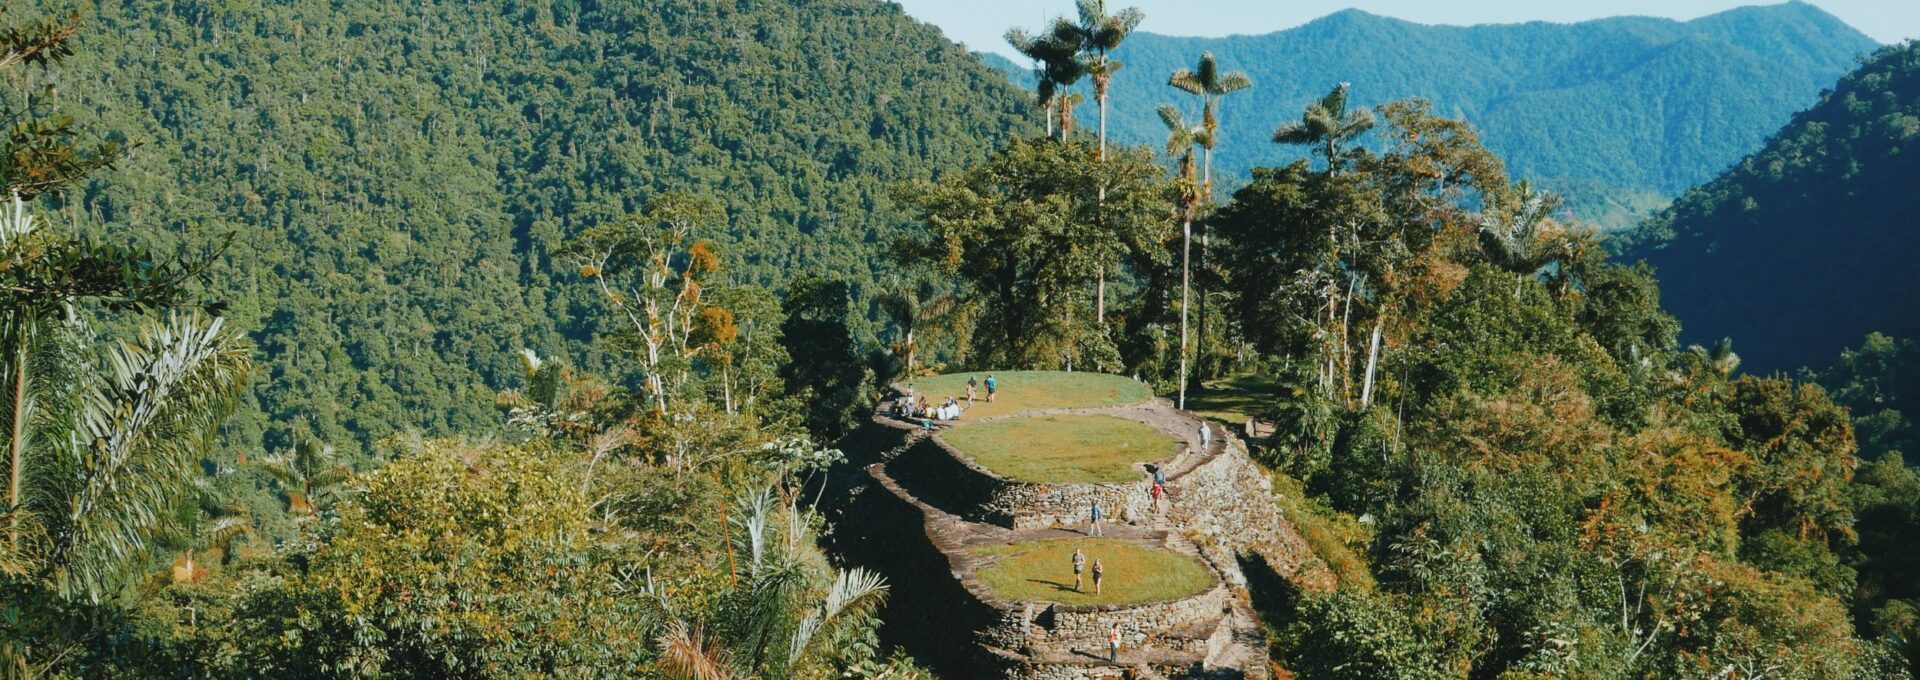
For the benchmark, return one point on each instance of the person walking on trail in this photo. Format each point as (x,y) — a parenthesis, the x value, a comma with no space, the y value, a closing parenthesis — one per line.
(1094,515)
(992,385)
(1113,643)
(1098,571)
(1079,565)
(1206,436)
(1158,492)
(973,388)
(1159,475)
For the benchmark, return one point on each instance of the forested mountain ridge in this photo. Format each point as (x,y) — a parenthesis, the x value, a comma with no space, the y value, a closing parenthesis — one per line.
(1803,247)
(396,176)
(1618,114)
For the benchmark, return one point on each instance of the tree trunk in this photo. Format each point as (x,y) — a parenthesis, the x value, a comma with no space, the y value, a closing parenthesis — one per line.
(17,447)
(1186,245)
(1103,121)
(1346,346)
(1373,359)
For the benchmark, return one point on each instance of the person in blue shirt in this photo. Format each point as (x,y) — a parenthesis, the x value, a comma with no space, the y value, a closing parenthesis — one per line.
(1094,513)
(991,386)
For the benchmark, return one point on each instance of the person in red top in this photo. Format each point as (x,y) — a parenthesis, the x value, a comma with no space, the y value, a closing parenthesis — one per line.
(1113,643)
(1158,491)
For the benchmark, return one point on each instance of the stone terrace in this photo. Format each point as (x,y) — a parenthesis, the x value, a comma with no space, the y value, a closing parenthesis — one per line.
(1219,509)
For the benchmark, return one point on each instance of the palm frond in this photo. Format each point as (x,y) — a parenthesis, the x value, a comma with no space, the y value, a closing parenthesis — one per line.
(1233,81)
(854,591)
(163,395)
(687,654)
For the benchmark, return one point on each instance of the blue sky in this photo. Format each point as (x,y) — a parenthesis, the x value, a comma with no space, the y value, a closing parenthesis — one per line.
(980,23)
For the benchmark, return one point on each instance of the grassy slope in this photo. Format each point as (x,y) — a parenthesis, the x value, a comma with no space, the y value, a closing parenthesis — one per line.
(1043,570)
(1064,448)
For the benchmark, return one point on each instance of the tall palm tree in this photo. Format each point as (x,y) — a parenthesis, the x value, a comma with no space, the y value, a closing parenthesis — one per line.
(1056,68)
(1181,138)
(1327,126)
(1100,34)
(1207,82)
(101,441)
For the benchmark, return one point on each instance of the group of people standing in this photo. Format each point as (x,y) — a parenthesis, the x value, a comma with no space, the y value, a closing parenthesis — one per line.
(912,406)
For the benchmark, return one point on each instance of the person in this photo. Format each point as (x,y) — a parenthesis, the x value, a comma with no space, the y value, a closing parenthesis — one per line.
(992,386)
(1099,570)
(1094,513)
(1157,493)
(1113,642)
(1159,475)
(924,408)
(1206,436)
(973,388)
(1079,565)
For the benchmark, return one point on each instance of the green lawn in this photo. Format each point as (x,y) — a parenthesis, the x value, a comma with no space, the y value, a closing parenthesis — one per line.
(1062,449)
(1035,390)
(1231,401)
(1043,571)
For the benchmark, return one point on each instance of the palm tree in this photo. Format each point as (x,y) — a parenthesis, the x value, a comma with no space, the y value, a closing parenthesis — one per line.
(309,476)
(1523,240)
(1100,34)
(101,440)
(1206,81)
(1327,126)
(1721,359)
(1181,138)
(772,622)
(1056,65)
(219,522)
(911,306)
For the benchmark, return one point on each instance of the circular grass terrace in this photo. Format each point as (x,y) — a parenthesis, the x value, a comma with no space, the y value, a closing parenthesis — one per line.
(1034,391)
(1062,449)
(1135,574)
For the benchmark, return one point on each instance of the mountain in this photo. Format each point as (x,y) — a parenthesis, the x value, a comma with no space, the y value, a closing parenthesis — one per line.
(395,177)
(1806,246)
(1619,114)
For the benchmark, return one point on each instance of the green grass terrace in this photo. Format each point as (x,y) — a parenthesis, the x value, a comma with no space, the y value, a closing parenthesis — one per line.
(1062,449)
(1034,391)
(1135,574)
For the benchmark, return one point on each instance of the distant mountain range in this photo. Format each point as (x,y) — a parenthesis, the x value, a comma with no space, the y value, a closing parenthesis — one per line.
(1807,245)
(1618,114)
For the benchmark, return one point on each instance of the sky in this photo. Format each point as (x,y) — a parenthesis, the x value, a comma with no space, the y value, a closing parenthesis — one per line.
(981,23)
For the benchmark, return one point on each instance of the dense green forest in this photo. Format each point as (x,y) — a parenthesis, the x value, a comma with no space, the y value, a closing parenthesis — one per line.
(1737,255)
(396,178)
(603,344)
(1619,115)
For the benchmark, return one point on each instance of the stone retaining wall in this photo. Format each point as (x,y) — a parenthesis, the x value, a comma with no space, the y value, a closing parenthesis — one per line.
(955,483)
(1227,505)
(1200,616)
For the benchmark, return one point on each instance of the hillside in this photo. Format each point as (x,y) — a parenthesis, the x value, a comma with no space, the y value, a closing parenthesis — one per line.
(397,175)
(1619,114)
(1804,247)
